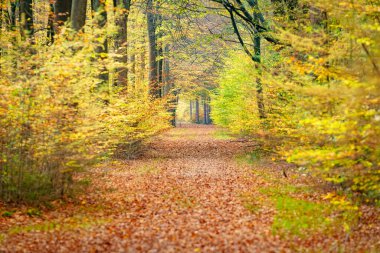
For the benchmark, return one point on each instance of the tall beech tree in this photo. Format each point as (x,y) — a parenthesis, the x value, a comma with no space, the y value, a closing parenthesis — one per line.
(100,13)
(78,14)
(257,27)
(153,65)
(122,8)
(26,18)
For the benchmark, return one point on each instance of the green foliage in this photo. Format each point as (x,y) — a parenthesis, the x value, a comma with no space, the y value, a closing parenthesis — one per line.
(234,104)
(7,214)
(71,223)
(321,94)
(301,218)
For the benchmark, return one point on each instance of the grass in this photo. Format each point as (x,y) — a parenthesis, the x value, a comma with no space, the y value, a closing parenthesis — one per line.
(221,134)
(301,217)
(295,215)
(71,223)
(147,170)
(285,190)
(252,157)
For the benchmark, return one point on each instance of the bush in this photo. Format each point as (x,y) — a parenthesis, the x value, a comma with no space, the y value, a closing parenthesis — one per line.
(57,116)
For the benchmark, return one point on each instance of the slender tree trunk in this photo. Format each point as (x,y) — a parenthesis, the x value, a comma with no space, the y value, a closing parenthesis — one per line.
(2,7)
(191,111)
(12,16)
(205,112)
(209,111)
(78,14)
(197,111)
(257,50)
(122,8)
(160,74)
(132,61)
(160,54)
(101,49)
(153,68)
(50,28)
(142,59)
(26,18)
(168,86)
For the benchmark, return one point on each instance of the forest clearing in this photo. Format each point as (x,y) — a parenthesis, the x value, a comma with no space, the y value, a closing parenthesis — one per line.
(189,126)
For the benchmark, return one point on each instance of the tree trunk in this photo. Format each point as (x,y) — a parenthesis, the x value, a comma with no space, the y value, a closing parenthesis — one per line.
(122,8)
(62,12)
(257,51)
(160,70)
(160,54)
(197,111)
(132,61)
(168,86)
(142,59)
(3,7)
(209,111)
(26,18)
(12,16)
(153,68)
(78,14)
(205,112)
(191,111)
(101,49)
(50,29)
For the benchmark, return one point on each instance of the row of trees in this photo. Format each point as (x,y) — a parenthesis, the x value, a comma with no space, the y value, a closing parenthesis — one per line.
(76,74)
(314,66)
(79,81)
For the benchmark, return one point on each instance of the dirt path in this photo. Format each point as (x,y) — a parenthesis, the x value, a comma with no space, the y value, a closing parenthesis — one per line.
(186,193)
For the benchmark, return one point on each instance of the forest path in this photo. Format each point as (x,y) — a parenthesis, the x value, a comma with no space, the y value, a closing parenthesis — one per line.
(187,192)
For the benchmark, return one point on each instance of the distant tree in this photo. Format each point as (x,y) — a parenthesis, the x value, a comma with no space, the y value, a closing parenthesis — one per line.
(197,118)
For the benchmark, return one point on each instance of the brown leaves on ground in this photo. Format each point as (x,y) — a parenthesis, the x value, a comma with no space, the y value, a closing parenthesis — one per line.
(186,193)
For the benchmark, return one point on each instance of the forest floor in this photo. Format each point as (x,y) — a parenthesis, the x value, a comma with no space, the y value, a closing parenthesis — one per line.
(194,189)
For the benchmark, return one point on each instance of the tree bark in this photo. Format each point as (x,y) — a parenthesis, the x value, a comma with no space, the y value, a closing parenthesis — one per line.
(142,59)
(50,29)
(101,49)
(12,16)
(205,112)
(122,8)
(191,111)
(209,113)
(258,17)
(26,18)
(153,66)
(197,111)
(78,14)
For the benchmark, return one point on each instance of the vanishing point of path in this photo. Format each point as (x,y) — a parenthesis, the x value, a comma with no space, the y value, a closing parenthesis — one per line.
(186,193)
